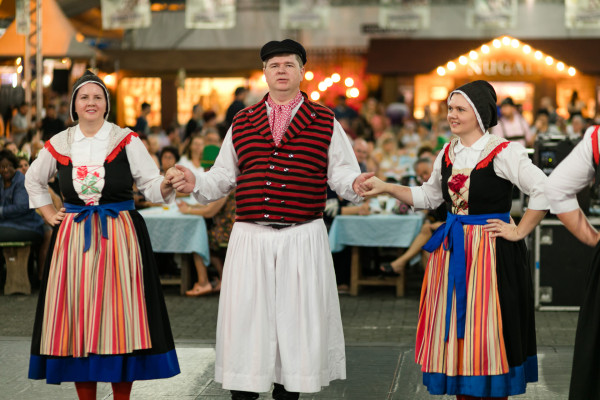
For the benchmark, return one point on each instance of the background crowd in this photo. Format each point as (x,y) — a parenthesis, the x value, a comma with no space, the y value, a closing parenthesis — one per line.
(386,138)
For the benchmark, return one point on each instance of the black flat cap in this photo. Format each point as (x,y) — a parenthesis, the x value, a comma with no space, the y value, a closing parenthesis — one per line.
(286,46)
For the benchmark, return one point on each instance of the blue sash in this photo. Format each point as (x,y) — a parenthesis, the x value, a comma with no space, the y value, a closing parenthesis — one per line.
(103,210)
(457,271)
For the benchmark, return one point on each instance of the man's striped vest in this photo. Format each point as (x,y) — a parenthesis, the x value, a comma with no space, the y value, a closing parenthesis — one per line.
(285,184)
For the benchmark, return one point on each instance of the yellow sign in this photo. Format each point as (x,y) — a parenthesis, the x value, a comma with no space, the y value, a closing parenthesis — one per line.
(502,67)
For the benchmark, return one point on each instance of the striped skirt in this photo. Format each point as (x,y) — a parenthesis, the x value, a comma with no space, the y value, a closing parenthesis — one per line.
(483,362)
(95,307)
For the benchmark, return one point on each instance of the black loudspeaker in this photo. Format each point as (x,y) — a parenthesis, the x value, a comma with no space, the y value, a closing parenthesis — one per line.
(60,83)
(562,264)
(549,152)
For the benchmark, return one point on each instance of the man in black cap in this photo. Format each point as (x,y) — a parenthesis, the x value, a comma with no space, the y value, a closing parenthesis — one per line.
(279,316)
(511,124)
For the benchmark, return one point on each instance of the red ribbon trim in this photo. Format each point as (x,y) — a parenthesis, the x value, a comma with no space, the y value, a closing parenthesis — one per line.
(484,163)
(61,159)
(126,140)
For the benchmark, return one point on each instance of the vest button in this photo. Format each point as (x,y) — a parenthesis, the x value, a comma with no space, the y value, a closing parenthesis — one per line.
(286,169)
(271,167)
(268,183)
(283,185)
(282,201)
(282,218)
(267,198)
(313,115)
(276,154)
(250,111)
(291,156)
(266,215)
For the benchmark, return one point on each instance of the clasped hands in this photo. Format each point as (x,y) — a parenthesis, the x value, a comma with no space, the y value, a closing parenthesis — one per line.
(368,185)
(181,179)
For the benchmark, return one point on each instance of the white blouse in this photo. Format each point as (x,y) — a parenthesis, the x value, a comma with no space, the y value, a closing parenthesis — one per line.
(512,164)
(92,151)
(574,173)
(342,168)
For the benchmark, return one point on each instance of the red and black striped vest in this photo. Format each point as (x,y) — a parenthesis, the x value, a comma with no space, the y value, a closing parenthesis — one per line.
(285,184)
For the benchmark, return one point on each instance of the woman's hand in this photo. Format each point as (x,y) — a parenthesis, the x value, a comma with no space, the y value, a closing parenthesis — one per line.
(364,209)
(171,174)
(499,228)
(184,207)
(57,218)
(359,181)
(372,187)
(185,181)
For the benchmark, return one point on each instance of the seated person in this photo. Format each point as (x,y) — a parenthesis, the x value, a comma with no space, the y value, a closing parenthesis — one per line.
(435,218)
(18,222)
(168,158)
(222,213)
(220,217)
(335,206)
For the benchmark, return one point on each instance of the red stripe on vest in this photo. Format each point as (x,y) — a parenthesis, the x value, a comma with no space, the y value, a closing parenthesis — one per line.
(286,183)
(595,145)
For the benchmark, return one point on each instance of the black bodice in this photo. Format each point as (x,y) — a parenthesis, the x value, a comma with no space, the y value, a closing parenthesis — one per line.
(488,193)
(118,185)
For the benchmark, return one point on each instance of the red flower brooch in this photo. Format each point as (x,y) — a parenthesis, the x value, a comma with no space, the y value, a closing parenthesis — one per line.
(82,172)
(457,182)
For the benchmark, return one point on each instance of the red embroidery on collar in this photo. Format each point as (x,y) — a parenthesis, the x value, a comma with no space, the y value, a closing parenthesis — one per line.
(61,159)
(447,156)
(484,163)
(126,140)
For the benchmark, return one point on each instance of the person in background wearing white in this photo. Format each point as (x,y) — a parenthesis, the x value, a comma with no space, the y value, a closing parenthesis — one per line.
(573,174)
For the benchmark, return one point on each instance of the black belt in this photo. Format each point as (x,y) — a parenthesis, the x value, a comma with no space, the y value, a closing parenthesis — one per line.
(279,226)
(283,226)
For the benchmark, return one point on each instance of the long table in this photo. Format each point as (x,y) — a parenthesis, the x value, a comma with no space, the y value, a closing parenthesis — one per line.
(173,232)
(379,230)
